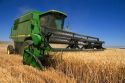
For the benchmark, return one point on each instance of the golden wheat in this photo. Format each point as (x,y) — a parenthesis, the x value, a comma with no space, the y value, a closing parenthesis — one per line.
(93,67)
(13,71)
(66,67)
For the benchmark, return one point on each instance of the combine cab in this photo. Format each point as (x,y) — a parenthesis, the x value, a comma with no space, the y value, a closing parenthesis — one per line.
(36,33)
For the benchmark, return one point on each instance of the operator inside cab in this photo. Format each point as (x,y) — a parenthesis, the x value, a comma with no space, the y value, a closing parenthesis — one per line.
(53,19)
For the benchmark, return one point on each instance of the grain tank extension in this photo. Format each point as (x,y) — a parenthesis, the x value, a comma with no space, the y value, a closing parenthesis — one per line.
(36,33)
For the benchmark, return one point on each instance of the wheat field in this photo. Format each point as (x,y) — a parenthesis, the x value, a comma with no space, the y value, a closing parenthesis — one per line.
(66,67)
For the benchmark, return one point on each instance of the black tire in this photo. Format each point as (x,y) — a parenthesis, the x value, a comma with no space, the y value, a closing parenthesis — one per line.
(10,49)
(25,44)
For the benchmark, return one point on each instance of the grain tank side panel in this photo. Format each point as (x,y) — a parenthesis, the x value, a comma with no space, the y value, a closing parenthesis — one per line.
(24,27)
(13,35)
(14,32)
(24,30)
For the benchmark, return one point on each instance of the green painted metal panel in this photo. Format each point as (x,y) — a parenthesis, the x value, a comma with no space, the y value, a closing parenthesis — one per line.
(27,24)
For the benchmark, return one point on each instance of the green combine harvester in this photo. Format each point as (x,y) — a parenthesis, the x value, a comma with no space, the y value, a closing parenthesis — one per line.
(35,34)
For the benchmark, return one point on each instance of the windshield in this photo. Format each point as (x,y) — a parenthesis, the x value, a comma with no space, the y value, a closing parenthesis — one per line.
(55,21)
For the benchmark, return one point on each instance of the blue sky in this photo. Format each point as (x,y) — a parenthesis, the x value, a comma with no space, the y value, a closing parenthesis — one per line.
(101,18)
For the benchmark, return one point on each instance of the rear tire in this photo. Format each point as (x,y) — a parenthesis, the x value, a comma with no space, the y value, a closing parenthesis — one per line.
(10,49)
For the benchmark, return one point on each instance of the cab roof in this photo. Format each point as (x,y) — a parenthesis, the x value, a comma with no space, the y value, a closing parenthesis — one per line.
(54,11)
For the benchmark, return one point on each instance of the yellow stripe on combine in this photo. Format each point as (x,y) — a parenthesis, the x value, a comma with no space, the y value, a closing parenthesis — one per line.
(21,36)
